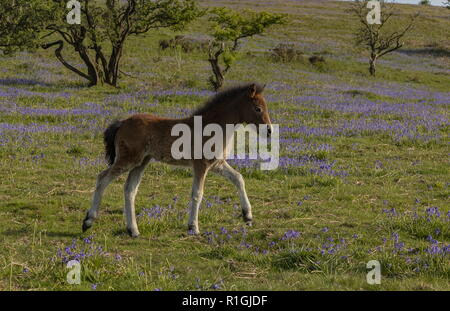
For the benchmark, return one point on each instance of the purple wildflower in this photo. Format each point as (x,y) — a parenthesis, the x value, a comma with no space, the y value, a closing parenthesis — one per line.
(290,234)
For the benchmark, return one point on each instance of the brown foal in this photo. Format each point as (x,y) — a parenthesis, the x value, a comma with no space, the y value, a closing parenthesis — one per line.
(133,142)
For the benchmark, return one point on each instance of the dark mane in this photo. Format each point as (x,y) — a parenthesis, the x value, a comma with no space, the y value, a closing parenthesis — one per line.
(225,96)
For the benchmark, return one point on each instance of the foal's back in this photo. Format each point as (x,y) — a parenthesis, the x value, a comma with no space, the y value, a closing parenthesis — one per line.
(146,135)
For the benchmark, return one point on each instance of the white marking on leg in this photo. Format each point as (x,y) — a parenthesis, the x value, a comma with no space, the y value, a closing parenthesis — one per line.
(103,180)
(196,200)
(236,178)
(130,191)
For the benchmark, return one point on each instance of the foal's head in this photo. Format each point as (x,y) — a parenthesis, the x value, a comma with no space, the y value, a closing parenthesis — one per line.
(245,103)
(253,108)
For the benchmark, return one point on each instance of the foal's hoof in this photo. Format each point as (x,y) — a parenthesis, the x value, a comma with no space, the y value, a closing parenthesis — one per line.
(248,220)
(193,231)
(133,233)
(87,223)
(85,226)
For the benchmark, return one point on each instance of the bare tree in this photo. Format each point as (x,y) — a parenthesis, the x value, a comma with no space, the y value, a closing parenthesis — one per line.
(376,37)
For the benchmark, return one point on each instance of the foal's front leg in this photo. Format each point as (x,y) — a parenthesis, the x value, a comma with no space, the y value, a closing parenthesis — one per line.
(236,178)
(200,172)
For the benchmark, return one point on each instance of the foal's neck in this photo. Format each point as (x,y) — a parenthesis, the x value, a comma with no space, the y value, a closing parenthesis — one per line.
(221,117)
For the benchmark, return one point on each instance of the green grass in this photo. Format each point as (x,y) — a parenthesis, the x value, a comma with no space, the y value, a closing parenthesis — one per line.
(43,199)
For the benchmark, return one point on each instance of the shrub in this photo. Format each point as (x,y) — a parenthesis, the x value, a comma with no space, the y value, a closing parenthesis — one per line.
(285,52)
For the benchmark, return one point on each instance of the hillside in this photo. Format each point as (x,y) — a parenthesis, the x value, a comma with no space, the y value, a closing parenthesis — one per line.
(364,167)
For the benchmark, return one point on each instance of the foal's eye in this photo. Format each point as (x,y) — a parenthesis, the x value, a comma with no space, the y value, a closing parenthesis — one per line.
(258,109)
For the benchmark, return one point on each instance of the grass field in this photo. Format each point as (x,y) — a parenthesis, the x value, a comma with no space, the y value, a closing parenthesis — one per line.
(364,170)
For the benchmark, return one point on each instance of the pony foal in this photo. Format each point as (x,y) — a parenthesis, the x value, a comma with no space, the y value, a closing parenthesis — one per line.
(131,144)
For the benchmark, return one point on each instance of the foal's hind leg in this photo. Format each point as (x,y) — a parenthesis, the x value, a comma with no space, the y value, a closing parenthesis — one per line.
(236,178)
(200,171)
(103,180)
(130,191)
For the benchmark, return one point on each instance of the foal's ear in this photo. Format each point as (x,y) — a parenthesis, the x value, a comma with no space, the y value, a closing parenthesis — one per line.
(252,90)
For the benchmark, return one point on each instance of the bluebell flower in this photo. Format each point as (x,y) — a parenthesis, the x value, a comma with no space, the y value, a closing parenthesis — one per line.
(290,234)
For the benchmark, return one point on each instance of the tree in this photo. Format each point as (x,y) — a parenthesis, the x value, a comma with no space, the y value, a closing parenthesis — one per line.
(230,28)
(20,23)
(378,40)
(99,40)
(447,4)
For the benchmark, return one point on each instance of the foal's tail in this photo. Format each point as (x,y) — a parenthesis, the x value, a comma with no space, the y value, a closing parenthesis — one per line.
(109,137)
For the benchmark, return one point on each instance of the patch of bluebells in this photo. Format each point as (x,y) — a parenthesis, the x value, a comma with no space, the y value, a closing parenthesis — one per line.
(182,92)
(433,212)
(330,248)
(224,235)
(437,248)
(390,212)
(434,250)
(423,257)
(86,109)
(379,165)
(169,273)
(38,157)
(431,220)
(272,244)
(33,128)
(79,251)
(315,166)
(12,92)
(219,200)
(155,212)
(211,236)
(290,235)
(218,285)
(214,286)
(85,162)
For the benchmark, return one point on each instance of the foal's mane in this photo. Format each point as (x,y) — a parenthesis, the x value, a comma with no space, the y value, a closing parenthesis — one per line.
(225,96)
